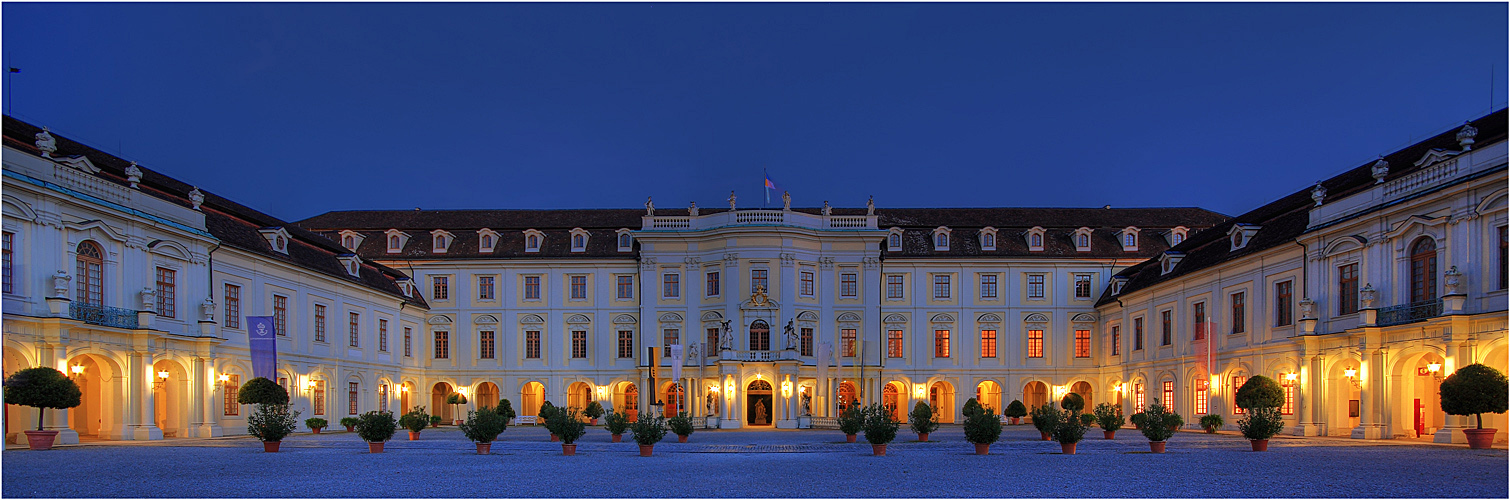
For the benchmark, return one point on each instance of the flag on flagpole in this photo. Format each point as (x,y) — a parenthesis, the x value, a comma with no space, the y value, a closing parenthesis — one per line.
(769,186)
(15,70)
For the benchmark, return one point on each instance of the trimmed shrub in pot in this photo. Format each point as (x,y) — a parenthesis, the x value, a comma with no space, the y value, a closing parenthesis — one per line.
(434,420)
(456,399)
(315,424)
(1155,426)
(1211,423)
(544,416)
(1174,421)
(350,423)
(376,428)
(681,424)
(922,421)
(971,407)
(851,421)
(1138,419)
(270,423)
(1087,420)
(1260,424)
(1072,403)
(1475,389)
(506,409)
(1109,417)
(1045,418)
(1015,411)
(982,429)
(42,388)
(616,424)
(483,426)
(648,431)
(416,420)
(880,427)
(568,426)
(1260,392)
(593,412)
(1069,430)
(260,391)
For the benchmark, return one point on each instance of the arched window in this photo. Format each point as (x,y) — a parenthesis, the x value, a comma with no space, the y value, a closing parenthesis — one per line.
(1129,239)
(576,241)
(393,242)
(1035,240)
(1423,270)
(941,240)
(1083,241)
(90,273)
(846,395)
(440,242)
(989,240)
(349,241)
(487,241)
(624,240)
(1178,238)
(533,242)
(894,241)
(760,336)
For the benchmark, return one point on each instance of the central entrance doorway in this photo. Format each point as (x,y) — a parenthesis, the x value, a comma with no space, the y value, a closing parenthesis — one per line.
(758,403)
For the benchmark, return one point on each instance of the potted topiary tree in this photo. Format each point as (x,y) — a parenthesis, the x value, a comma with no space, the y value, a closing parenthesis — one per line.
(1155,428)
(1087,420)
(1045,418)
(261,391)
(971,407)
(543,417)
(1015,411)
(315,424)
(616,423)
(1069,429)
(350,423)
(1174,421)
(593,412)
(435,420)
(851,421)
(456,399)
(271,418)
(1072,403)
(1138,419)
(1475,390)
(1109,417)
(506,409)
(681,424)
(1260,397)
(41,388)
(376,428)
(483,426)
(648,431)
(922,421)
(982,429)
(1211,423)
(416,420)
(568,426)
(880,428)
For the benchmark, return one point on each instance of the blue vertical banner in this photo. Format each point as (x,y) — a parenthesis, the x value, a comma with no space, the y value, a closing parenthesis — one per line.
(263,340)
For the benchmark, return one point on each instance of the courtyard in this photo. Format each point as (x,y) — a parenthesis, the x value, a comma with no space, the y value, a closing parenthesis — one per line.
(757,463)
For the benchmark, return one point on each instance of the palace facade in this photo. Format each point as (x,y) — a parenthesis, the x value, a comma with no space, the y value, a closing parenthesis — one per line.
(1358,294)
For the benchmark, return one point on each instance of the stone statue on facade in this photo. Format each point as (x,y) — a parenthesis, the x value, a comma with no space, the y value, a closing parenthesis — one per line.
(46,143)
(1466,135)
(1452,281)
(726,339)
(207,309)
(1367,296)
(786,201)
(60,281)
(870,206)
(649,207)
(826,210)
(731,200)
(692,210)
(149,298)
(791,336)
(1307,308)
(196,197)
(807,404)
(133,174)
(1380,170)
(1318,193)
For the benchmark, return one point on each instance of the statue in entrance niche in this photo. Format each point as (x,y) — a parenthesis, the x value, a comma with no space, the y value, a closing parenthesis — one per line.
(807,404)
(760,415)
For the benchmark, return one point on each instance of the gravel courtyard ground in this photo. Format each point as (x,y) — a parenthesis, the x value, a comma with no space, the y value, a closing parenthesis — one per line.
(807,463)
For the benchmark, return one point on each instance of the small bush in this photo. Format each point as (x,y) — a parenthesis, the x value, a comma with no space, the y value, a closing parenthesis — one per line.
(376,426)
(349,421)
(316,423)
(922,421)
(434,419)
(506,409)
(880,425)
(681,424)
(593,410)
(1174,420)
(484,425)
(1069,428)
(852,419)
(649,430)
(41,388)
(1045,418)
(567,425)
(1016,409)
(1156,422)
(1086,419)
(1072,402)
(1139,419)
(983,428)
(1260,392)
(416,420)
(1261,423)
(971,407)
(1109,417)
(616,423)
(1475,390)
(259,391)
(1212,421)
(271,422)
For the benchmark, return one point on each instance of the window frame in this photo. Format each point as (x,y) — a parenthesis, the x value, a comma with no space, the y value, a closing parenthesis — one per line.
(807,287)
(942,286)
(579,344)
(354,326)
(671,285)
(1035,343)
(442,343)
(626,344)
(988,343)
(486,288)
(320,324)
(1036,286)
(440,288)
(624,284)
(1284,303)
(232,298)
(167,292)
(849,285)
(1082,343)
(988,286)
(578,286)
(896,287)
(1238,302)
(532,287)
(713,287)
(487,344)
(941,343)
(532,341)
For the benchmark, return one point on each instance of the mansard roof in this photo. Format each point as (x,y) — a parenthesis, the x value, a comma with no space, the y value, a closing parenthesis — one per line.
(234,224)
(1286,219)
(1059,225)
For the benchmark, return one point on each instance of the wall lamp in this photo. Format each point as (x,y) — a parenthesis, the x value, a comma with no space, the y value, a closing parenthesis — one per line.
(162,378)
(1352,376)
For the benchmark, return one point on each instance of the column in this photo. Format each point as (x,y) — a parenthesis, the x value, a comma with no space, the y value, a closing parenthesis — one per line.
(1458,356)
(1310,400)
(144,427)
(205,392)
(1370,423)
(56,419)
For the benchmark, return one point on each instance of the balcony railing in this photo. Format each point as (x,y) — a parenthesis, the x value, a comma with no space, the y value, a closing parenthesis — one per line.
(101,315)
(825,423)
(1410,313)
(756,356)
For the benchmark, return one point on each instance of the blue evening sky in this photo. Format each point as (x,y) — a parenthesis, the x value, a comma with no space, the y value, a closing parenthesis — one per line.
(298,109)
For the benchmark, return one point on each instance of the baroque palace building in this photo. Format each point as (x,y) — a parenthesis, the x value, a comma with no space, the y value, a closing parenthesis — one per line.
(1358,294)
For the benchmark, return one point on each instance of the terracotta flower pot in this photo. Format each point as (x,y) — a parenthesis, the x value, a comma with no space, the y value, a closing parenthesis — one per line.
(592,422)
(1016,420)
(878,450)
(1479,439)
(646,449)
(555,438)
(484,448)
(43,440)
(1260,444)
(413,436)
(681,438)
(1044,435)
(982,448)
(1067,448)
(1211,430)
(376,447)
(271,446)
(315,430)
(617,438)
(351,428)
(849,438)
(1156,446)
(457,422)
(569,450)
(923,436)
(1109,434)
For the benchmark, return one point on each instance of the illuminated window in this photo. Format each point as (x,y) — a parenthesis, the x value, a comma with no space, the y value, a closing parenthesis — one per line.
(1035,343)
(232,386)
(988,343)
(1202,397)
(1169,395)
(847,342)
(1289,406)
(1082,343)
(1138,396)
(941,343)
(532,344)
(232,306)
(319,402)
(167,291)
(442,345)
(894,343)
(382,398)
(1237,383)
(487,345)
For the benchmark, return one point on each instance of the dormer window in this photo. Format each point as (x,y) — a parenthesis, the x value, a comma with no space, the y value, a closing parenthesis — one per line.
(1241,235)
(1083,239)
(1117,283)
(352,263)
(406,286)
(1169,260)
(626,241)
(941,239)
(277,238)
(1035,239)
(396,240)
(487,239)
(579,240)
(351,239)
(1177,235)
(348,242)
(533,240)
(894,240)
(988,239)
(1130,239)
(441,241)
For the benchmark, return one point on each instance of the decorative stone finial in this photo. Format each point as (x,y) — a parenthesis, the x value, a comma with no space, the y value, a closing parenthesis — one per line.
(1381,169)
(786,201)
(196,197)
(692,210)
(1307,308)
(1318,193)
(48,145)
(1367,296)
(826,210)
(731,200)
(149,298)
(649,207)
(133,174)
(207,309)
(60,281)
(870,206)
(1451,282)
(1466,135)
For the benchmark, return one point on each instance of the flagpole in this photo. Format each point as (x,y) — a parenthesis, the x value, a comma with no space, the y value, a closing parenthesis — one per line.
(766,176)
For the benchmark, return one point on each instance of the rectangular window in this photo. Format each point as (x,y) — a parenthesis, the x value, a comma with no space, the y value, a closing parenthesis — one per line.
(1116,340)
(353,323)
(671,286)
(1504,257)
(807,283)
(940,286)
(1347,289)
(1139,397)
(807,341)
(319,323)
(1239,310)
(442,345)
(578,287)
(1289,406)
(1082,343)
(484,288)
(5,242)
(383,335)
(894,286)
(847,342)
(849,285)
(1237,383)
(1035,343)
(760,339)
(531,288)
(1168,398)
(408,342)
(232,386)
(673,336)
(1035,286)
(988,286)
(626,344)
(532,345)
(1137,334)
(351,398)
(442,287)
(712,341)
(1082,286)
(579,344)
(1166,322)
(626,287)
(941,343)
(713,286)
(487,344)
(1201,397)
(319,403)
(758,280)
(167,291)
(232,306)
(1282,313)
(988,343)
(894,343)
(1198,321)
(382,397)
